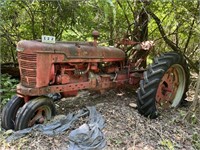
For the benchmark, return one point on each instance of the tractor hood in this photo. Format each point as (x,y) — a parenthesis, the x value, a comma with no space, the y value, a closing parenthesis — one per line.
(71,49)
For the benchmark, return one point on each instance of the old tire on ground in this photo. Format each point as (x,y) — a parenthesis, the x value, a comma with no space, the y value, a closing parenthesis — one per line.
(164,85)
(10,111)
(36,111)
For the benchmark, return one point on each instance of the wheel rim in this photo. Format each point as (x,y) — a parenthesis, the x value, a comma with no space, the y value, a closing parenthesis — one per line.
(41,115)
(171,87)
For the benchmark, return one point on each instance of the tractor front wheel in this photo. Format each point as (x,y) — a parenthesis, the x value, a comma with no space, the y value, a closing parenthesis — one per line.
(9,112)
(164,85)
(36,111)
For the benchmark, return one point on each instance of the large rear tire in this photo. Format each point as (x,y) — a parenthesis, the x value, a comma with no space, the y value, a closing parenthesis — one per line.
(164,85)
(36,111)
(10,111)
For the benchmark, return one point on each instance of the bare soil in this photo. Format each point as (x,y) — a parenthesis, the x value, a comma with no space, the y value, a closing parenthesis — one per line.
(125,128)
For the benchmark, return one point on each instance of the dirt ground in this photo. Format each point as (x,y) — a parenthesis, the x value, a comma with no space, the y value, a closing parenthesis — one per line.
(125,128)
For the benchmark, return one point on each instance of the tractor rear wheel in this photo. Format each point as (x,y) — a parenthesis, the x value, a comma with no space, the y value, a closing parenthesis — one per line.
(164,85)
(36,111)
(10,111)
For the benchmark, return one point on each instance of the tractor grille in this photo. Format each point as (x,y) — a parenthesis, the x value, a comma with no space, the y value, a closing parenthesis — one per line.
(27,66)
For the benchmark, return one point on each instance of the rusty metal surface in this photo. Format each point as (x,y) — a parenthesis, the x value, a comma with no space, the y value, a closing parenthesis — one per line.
(167,88)
(37,59)
(22,90)
(27,67)
(104,82)
(71,50)
(66,67)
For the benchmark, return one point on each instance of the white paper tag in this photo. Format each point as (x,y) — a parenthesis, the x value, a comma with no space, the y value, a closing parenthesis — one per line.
(48,39)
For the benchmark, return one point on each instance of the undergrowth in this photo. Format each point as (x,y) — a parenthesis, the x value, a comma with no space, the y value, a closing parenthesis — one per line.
(7,89)
(191,139)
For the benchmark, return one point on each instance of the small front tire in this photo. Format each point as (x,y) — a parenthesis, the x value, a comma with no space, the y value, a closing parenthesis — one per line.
(36,111)
(9,112)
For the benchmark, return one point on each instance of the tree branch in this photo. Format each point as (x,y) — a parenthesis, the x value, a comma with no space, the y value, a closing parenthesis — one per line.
(162,32)
(120,5)
(169,42)
(190,32)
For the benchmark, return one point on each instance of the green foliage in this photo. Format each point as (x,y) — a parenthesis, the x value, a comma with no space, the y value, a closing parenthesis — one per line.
(8,88)
(75,20)
(196,141)
(194,119)
(167,143)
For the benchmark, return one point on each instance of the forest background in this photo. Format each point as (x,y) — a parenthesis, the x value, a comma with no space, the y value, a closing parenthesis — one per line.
(171,24)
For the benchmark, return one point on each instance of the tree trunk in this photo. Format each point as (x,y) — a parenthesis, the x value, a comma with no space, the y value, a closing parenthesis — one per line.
(140,32)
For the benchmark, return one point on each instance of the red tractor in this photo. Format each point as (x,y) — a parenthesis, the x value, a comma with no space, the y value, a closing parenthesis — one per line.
(67,67)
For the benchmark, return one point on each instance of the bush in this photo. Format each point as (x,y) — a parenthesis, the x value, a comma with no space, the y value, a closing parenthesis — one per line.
(8,88)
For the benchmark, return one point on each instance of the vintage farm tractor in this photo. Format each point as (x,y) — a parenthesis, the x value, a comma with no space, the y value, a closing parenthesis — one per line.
(67,67)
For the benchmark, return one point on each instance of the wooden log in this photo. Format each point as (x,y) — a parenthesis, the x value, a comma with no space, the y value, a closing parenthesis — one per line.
(11,69)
